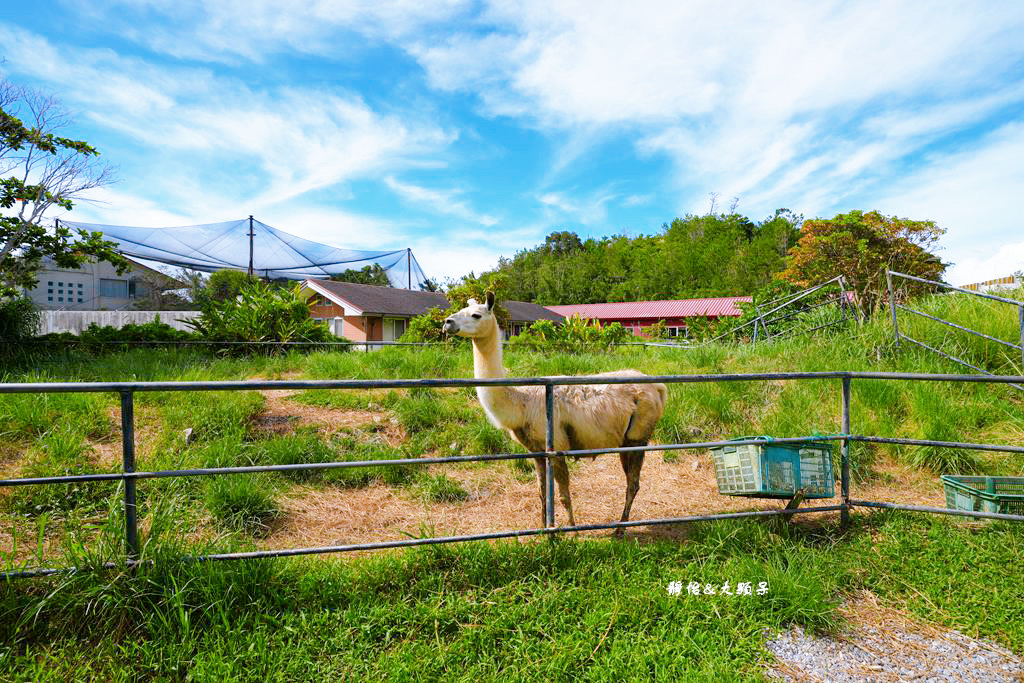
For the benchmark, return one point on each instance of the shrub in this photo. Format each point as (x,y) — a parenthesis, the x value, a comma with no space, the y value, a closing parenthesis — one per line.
(260,313)
(574,334)
(19,320)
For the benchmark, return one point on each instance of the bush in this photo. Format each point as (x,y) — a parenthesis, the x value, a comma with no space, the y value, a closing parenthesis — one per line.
(108,337)
(574,334)
(19,320)
(260,313)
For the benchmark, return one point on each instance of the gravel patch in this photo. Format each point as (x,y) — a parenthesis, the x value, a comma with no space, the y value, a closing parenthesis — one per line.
(882,644)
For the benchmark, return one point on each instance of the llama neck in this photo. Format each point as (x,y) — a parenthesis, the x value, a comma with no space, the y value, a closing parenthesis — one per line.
(500,403)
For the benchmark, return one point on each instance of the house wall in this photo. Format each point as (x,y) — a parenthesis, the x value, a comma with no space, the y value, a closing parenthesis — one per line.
(354,328)
(328,310)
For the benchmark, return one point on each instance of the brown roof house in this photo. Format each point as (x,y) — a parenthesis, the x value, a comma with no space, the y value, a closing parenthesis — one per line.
(368,313)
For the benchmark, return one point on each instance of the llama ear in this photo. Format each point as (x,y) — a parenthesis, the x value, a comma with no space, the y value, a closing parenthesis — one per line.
(490,300)
(472,302)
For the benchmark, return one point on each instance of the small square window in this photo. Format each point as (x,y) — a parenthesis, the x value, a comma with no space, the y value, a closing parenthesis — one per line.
(60,299)
(49,283)
(60,284)
(79,285)
(79,299)
(49,291)
(49,298)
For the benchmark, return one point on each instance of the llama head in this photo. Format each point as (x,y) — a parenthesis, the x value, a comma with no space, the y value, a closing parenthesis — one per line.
(475,320)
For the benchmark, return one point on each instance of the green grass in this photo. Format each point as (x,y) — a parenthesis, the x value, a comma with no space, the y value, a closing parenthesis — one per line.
(440,488)
(592,609)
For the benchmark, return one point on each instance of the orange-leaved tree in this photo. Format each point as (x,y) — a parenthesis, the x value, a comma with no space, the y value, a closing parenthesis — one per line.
(860,247)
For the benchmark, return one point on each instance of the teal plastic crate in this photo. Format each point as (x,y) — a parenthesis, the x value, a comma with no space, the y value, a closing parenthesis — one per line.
(984,494)
(774,470)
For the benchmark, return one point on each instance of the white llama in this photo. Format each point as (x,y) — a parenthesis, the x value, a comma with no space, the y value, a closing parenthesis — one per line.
(586,415)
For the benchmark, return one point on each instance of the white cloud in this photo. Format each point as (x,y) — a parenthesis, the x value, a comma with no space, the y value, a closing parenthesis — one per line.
(284,142)
(975,194)
(255,30)
(442,201)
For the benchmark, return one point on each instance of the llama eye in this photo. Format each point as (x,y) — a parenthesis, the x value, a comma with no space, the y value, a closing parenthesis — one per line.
(476,315)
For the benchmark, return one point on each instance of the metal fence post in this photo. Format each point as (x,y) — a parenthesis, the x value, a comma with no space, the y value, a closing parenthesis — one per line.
(892,306)
(1020,309)
(844,514)
(549,487)
(131,526)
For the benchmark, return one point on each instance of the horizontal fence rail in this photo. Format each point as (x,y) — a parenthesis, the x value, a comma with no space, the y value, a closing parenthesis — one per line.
(130,476)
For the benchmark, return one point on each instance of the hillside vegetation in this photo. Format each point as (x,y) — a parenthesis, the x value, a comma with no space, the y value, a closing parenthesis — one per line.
(713,255)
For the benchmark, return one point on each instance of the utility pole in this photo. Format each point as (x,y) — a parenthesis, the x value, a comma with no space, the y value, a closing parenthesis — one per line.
(252,235)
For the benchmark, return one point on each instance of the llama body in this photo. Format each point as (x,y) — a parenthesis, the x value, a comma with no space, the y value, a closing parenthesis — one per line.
(585,415)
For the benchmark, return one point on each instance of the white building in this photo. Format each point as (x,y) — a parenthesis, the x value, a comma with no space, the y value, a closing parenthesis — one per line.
(95,286)
(1008,282)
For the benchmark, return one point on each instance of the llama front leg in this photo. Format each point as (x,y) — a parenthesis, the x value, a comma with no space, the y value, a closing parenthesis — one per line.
(539,462)
(560,471)
(631,465)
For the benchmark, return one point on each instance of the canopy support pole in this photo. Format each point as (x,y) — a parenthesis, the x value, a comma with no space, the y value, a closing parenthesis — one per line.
(252,234)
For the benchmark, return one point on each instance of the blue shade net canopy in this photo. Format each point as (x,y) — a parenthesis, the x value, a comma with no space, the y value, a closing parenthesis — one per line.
(275,254)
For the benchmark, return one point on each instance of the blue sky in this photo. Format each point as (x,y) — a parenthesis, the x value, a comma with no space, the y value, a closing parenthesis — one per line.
(470,130)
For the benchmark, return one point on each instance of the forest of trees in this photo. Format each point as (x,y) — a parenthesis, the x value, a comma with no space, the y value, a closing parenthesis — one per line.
(695,256)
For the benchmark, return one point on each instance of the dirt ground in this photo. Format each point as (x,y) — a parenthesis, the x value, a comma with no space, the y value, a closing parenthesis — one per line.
(503,499)
(500,497)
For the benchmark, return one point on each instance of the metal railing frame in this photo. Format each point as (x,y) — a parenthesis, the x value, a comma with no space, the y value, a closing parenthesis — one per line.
(762,320)
(130,475)
(894,306)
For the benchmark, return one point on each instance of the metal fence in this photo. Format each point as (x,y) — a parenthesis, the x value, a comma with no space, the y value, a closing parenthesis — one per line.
(788,307)
(130,476)
(894,306)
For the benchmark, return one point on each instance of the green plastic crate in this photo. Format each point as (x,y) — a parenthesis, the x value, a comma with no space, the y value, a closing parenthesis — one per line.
(774,470)
(984,494)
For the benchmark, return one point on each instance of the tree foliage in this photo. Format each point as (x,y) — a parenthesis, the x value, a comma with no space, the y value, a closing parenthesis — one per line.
(713,255)
(367,275)
(427,327)
(39,171)
(860,247)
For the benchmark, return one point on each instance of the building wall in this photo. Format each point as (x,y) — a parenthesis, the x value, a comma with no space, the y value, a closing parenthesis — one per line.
(1008,282)
(637,326)
(87,288)
(76,321)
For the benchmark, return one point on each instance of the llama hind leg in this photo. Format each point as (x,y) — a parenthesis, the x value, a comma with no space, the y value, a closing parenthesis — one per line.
(631,465)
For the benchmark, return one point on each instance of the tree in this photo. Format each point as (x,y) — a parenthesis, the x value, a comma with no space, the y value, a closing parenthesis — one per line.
(860,247)
(367,275)
(427,327)
(40,170)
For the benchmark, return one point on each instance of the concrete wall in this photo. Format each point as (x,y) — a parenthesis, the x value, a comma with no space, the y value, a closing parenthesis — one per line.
(76,321)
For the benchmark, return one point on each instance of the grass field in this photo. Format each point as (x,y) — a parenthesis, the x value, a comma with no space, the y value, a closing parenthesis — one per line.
(589,608)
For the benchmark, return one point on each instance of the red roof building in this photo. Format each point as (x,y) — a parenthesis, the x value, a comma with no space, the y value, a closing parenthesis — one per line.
(637,315)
